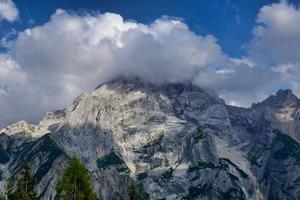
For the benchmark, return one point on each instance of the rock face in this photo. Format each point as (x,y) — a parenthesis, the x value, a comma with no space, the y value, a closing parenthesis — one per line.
(176,140)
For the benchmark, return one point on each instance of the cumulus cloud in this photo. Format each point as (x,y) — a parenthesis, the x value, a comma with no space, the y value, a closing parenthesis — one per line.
(47,66)
(8,10)
(105,45)
(241,83)
(12,82)
(276,42)
(74,53)
(10,74)
(277,35)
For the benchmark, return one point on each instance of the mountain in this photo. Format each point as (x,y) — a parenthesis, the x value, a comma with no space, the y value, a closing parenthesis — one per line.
(177,141)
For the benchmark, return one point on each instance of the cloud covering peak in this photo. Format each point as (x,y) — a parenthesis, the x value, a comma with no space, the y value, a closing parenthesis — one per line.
(104,45)
(47,66)
(74,53)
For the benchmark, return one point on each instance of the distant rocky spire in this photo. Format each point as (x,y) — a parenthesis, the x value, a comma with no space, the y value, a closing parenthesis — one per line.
(282,98)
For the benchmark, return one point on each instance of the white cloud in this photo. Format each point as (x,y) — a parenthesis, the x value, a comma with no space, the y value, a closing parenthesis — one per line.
(240,83)
(277,35)
(104,45)
(8,10)
(10,72)
(71,54)
(276,42)
(13,89)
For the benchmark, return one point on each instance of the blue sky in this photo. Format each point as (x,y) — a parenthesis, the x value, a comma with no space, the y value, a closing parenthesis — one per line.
(231,21)
(53,50)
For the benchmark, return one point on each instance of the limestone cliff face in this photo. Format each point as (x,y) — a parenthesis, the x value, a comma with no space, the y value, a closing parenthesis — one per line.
(283,111)
(176,140)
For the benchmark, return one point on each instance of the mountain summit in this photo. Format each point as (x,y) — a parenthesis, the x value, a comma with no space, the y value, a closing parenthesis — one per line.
(177,141)
(282,99)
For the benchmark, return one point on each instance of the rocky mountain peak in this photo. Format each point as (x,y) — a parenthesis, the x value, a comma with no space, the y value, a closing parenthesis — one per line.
(185,100)
(17,127)
(176,140)
(285,94)
(282,98)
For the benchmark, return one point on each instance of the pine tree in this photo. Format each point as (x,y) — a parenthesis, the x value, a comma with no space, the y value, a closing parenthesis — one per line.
(133,192)
(10,195)
(75,183)
(26,184)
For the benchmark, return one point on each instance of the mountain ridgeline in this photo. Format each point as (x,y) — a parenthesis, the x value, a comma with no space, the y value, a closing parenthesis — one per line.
(174,141)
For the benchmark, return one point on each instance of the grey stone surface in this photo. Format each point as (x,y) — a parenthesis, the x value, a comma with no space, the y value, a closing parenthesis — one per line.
(177,141)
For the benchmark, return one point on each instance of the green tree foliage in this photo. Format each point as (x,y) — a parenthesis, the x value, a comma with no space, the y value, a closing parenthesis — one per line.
(75,183)
(10,194)
(133,192)
(26,184)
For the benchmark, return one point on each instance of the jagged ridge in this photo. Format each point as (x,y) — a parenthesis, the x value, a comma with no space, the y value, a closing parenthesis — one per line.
(177,140)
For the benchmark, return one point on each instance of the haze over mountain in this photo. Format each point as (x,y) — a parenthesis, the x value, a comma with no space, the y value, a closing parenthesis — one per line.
(178,141)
